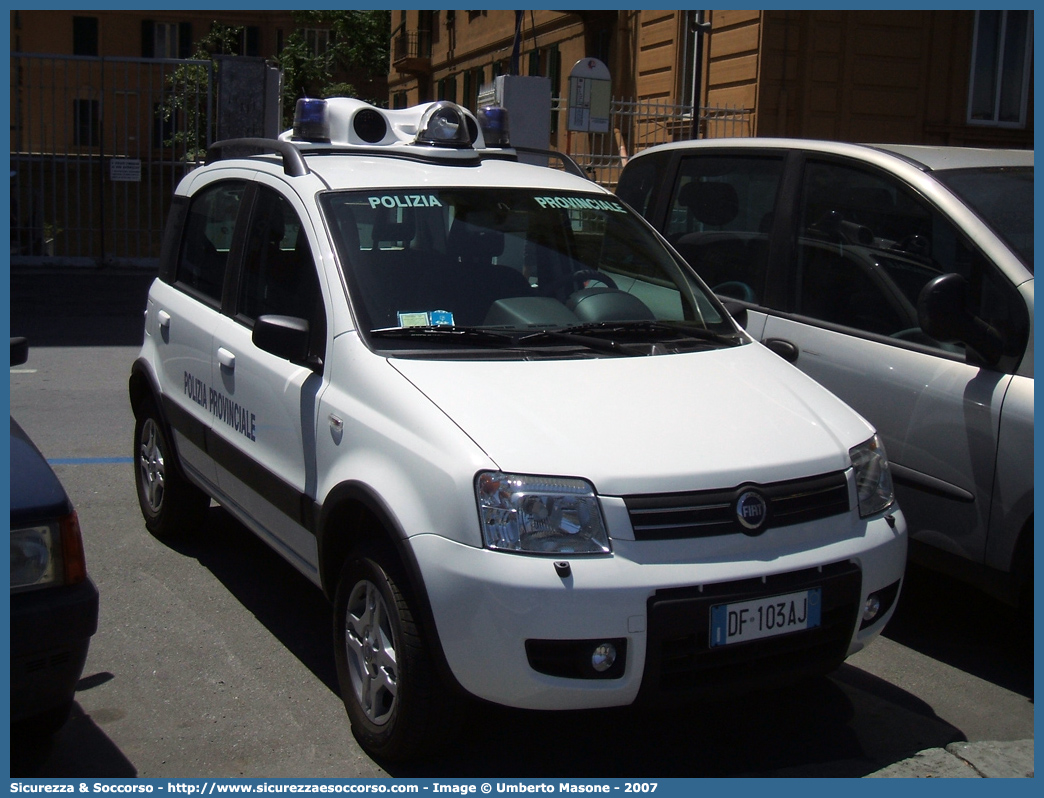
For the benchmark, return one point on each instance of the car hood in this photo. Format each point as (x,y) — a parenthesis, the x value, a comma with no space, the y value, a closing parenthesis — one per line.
(36,493)
(711,419)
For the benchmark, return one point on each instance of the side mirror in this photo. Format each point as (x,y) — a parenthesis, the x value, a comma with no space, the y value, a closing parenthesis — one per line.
(942,310)
(283,336)
(19,351)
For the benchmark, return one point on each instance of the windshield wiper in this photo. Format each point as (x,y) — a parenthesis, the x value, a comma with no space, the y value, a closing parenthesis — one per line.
(610,337)
(651,328)
(570,336)
(446,333)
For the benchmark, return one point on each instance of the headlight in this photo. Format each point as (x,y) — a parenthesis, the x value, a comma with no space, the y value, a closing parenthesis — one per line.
(35,557)
(873,477)
(539,515)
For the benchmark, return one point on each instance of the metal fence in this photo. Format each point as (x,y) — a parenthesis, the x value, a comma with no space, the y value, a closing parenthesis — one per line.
(97,146)
(635,125)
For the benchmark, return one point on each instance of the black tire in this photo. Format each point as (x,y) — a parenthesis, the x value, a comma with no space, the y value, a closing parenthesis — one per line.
(172,506)
(395,702)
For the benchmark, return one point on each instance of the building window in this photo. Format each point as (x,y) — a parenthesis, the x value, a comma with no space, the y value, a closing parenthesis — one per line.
(85,35)
(317,40)
(166,39)
(534,63)
(447,88)
(473,79)
(250,41)
(1000,74)
(86,123)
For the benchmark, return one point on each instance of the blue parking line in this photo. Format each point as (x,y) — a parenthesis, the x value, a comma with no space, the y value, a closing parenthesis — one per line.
(89,460)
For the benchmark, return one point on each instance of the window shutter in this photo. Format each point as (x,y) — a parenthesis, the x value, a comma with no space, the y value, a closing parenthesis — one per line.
(148,39)
(185,40)
(253,40)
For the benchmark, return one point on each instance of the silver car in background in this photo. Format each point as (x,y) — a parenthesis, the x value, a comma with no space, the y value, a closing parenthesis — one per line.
(901,278)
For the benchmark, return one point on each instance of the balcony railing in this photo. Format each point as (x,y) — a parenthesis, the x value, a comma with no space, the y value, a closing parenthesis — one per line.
(411,52)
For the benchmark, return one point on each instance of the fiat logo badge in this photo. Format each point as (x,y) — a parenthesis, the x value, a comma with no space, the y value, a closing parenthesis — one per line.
(752,511)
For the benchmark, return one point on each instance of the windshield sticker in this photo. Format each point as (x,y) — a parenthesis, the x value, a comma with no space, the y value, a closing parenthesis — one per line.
(424,318)
(405,201)
(580,203)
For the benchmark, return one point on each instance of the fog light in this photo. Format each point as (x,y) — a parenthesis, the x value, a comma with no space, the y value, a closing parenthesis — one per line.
(579,659)
(603,657)
(878,604)
(871,608)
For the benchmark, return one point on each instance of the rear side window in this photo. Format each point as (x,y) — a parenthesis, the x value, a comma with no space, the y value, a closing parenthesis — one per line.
(207,239)
(721,212)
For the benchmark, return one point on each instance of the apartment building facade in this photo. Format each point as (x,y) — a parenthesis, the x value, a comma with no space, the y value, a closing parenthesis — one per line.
(934,77)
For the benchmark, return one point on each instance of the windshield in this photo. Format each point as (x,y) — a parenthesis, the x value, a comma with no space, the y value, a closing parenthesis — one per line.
(514,270)
(1003,198)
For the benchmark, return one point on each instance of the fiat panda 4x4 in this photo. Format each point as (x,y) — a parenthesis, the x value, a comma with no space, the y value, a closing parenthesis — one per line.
(518,443)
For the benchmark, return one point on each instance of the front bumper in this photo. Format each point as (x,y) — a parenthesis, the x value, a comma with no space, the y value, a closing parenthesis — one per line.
(489,607)
(51,632)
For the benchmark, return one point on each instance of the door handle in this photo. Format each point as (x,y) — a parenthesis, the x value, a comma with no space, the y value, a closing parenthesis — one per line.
(164,319)
(785,349)
(226,358)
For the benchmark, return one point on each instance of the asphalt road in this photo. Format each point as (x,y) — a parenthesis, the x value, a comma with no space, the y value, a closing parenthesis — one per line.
(213,659)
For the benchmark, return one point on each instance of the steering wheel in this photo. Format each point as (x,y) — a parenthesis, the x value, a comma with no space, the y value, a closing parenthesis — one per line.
(736,289)
(576,280)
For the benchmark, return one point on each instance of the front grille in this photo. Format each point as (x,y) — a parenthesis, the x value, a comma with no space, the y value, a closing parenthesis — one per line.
(705,513)
(681,664)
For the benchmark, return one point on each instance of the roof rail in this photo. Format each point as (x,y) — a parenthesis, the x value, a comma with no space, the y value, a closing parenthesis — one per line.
(293,162)
(568,164)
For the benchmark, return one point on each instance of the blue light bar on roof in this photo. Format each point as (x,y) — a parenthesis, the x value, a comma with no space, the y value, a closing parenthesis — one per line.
(493,119)
(311,122)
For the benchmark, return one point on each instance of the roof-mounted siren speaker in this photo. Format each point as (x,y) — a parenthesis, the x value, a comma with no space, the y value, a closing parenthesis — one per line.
(370,125)
(311,121)
(446,124)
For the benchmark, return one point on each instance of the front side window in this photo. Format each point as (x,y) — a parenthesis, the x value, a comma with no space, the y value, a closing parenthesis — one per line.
(1000,73)
(867,246)
(1003,198)
(721,210)
(207,240)
(523,266)
(278,276)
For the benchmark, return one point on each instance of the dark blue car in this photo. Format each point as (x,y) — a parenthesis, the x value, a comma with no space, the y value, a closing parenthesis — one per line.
(54,604)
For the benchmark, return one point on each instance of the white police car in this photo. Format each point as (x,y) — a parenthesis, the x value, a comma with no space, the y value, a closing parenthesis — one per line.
(517,442)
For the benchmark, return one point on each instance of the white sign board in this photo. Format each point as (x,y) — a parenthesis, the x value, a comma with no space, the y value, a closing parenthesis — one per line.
(590,94)
(125,170)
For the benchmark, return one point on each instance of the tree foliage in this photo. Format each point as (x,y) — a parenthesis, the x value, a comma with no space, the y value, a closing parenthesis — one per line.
(357,49)
(186,98)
